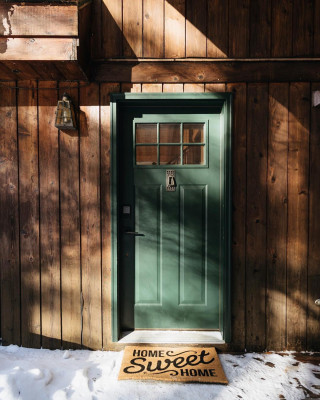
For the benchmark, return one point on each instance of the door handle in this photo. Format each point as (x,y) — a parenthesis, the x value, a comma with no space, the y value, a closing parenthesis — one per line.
(134,233)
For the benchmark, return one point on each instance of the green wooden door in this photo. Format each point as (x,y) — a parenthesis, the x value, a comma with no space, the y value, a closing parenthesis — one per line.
(170,241)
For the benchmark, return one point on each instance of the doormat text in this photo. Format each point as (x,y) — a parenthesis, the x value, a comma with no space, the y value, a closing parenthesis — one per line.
(182,364)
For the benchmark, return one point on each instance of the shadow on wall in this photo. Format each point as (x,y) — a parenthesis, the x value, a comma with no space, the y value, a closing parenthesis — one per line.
(160,29)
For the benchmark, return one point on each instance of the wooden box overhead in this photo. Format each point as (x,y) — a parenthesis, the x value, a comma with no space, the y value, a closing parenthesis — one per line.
(44,41)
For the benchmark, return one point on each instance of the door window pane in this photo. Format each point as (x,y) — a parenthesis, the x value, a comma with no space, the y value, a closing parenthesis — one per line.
(193,155)
(193,133)
(146,133)
(170,155)
(169,133)
(146,155)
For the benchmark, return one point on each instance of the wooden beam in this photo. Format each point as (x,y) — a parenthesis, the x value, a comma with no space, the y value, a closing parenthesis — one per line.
(38,20)
(41,49)
(207,71)
(42,70)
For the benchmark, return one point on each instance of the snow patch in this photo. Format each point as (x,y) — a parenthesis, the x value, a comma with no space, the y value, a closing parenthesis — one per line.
(31,374)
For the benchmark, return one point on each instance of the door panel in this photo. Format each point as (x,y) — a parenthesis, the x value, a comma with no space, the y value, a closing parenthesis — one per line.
(172,270)
(148,210)
(193,245)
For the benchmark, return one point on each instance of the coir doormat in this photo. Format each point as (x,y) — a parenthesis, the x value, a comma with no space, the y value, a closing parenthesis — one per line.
(176,364)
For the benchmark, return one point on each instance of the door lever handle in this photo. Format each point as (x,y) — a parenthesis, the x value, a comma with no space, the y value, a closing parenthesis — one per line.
(134,233)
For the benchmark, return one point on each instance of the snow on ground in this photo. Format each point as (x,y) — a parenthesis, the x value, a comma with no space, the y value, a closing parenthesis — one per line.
(30,374)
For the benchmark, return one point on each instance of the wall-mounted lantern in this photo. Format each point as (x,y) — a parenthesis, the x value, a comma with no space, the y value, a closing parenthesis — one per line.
(65,115)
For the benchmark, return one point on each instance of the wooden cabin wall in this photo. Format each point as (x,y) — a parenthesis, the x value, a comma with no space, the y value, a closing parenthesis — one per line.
(205,28)
(55,215)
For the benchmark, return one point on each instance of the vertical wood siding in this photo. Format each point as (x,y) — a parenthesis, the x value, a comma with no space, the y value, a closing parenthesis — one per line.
(205,28)
(55,208)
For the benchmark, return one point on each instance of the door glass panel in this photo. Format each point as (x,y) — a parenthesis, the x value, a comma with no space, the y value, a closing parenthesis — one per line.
(193,155)
(193,133)
(169,133)
(146,155)
(170,155)
(146,133)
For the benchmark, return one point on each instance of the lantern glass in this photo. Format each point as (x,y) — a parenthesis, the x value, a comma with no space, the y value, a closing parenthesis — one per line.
(65,116)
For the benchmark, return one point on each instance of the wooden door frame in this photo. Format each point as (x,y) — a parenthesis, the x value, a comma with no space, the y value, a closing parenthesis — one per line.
(223,101)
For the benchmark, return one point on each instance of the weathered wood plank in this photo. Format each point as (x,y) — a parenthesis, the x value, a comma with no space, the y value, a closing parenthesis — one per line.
(41,70)
(42,49)
(239,28)
(38,20)
(29,215)
(70,230)
(45,69)
(128,87)
(71,70)
(313,315)
(196,42)
(96,27)
(239,173)
(24,70)
(39,49)
(49,216)
(152,88)
(90,216)
(111,28)
(257,133)
(105,144)
(153,33)
(297,234)
(132,28)
(6,73)
(175,29)
(84,40)
(303,16)
(277,215)
(217,30)
(9,219)
(260,28)
(207,71)
(193,87)
(173,87)
(281,28)
(215,87)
